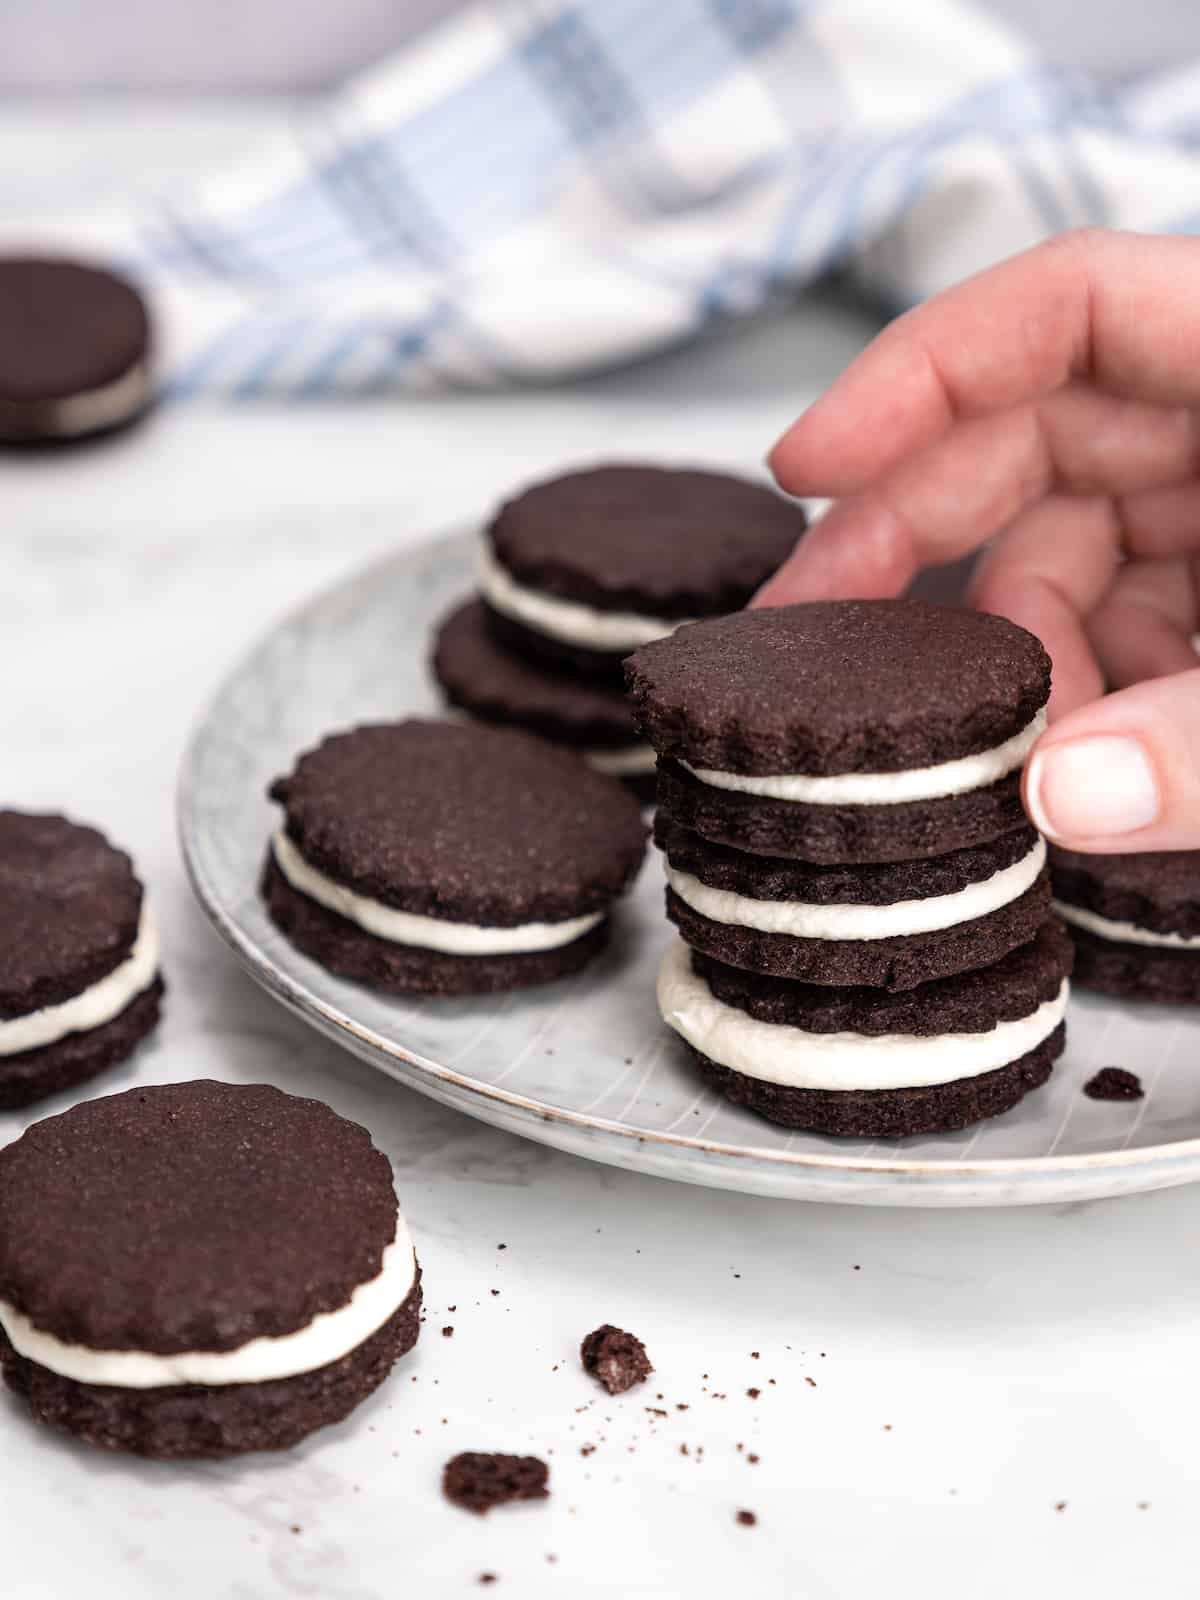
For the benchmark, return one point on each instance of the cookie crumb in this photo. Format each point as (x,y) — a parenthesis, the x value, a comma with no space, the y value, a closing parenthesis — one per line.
(487,1577)
(754,1393)
(747,1519)
(811,1382)
(477,1480)
(448,1331)
(1114,1083)
(1060,1505)
(615,1358)
(752,1459)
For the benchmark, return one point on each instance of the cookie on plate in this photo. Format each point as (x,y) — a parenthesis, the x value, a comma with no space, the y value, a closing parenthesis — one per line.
(74,351)
(79,979)
(892,926)
(844,731)
(484,680)
(239,1275)
(449,858)
(866,1062)
(586,567)
(1135,920)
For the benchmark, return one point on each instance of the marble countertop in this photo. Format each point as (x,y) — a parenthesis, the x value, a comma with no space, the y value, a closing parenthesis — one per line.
(968,1404)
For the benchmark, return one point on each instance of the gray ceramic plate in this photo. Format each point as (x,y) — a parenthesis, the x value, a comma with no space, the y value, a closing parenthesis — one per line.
(586,1065)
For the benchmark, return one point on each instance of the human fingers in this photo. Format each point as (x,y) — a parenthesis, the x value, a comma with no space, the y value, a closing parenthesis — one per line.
(1117,310)
(1145,626)
(1122,773)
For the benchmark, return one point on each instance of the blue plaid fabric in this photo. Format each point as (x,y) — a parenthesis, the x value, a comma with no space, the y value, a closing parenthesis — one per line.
(539,188)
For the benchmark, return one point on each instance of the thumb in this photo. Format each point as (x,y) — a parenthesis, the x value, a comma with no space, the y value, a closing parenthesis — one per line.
(1122,773)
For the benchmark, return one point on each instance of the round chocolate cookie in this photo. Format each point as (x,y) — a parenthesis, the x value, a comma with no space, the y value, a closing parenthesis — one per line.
(239,1276)
(1135,920)
(839,688)
(891,926)
(478,676)
(834,835)
(74,351)
(585,567)
(79,980)
(862,1061)
(449,858)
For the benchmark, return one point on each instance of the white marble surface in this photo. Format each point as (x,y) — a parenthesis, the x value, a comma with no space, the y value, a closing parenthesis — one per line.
(978,1368)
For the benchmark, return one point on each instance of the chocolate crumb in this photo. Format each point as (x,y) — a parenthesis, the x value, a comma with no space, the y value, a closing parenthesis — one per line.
(296,1528)
(656,1411)
(887,1427)
(754,1393)
(1060,1505)
(752,1459)
(747,1519)
(487,1577)
(754,1355)
(1143,1505)
(615,1358)
(1114,1083)
(448,1331)
(477,1480)
(681,1405)
(493,1291)
(587,1449)
(683,1449)
(811,1382)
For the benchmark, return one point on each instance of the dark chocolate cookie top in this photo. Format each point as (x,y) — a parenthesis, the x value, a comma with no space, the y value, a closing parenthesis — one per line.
(480,676)
(1157,889)
(661,542)
(970,1002)
(65,328)
(190,1216)
(462,821)
(775,878)
(837,686)
(69,909)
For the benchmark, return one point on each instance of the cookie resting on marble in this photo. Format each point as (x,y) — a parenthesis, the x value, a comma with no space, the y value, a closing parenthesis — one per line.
(74,351)
(201,1269)
(449,858)
(79,980)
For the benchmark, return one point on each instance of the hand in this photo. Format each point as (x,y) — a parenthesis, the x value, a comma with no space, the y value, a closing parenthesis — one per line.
(1049,407)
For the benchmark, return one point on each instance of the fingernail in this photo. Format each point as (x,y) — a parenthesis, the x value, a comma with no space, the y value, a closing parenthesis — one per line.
(1092,789)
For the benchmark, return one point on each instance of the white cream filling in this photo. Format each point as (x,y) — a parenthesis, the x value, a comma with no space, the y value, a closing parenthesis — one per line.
(1125,932)
(328,1337)
(625,761)
(886,788)
(429,933)
(779,1053)
(567,620)
(94,1006)
(103,407)
(802,920)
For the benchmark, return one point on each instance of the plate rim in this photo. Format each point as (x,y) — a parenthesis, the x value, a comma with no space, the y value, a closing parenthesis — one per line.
(342,1027)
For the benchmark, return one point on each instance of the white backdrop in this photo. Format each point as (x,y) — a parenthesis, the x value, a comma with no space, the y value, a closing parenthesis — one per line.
(309,44)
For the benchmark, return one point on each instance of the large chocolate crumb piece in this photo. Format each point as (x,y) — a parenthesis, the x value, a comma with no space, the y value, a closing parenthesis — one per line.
(615,1358)
(1114,1083)
(747,1519)
(477,1480)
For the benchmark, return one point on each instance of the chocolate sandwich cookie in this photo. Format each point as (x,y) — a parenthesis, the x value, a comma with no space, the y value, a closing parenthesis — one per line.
(865,1062)
(79,979)
(586,567)
(893,925)
(200,1269)
(1135,920)
(449,858)
(74,351)
(479,677)
(843,731)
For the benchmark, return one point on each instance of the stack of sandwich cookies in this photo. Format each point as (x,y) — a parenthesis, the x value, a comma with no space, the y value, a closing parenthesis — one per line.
(846,965)
(578,571)
(449,858)
(79,980)
(1135,921)
(74,351)
(239,1276)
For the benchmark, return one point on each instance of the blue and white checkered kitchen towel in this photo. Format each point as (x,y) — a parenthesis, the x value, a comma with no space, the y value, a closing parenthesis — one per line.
(538,188)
